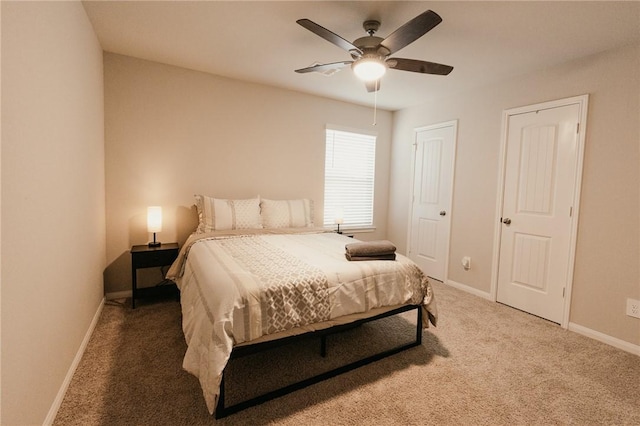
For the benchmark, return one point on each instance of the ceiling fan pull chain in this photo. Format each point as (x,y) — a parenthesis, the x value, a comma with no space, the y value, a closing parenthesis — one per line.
(375,103)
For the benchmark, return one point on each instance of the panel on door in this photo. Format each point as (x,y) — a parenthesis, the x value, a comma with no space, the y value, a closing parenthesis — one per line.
(531,261)
(428,239)
(540,178)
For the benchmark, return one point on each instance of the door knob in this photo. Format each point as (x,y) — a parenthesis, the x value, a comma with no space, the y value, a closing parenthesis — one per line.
(506,221)
(443,213)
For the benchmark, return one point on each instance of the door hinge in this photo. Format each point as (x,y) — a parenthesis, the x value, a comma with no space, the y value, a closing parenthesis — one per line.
(577,127)
(571,211)
(563,292)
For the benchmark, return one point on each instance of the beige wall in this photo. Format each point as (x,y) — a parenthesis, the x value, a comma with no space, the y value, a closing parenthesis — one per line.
(607,267)
(53,209)
(171,133)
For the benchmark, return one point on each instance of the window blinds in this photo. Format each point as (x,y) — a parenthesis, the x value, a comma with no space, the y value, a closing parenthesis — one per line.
(349,178)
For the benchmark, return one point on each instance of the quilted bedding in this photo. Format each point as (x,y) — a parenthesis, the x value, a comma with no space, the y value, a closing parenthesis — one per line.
(240,286)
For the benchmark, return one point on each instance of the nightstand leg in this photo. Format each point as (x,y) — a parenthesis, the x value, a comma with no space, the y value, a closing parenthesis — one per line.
(134,286)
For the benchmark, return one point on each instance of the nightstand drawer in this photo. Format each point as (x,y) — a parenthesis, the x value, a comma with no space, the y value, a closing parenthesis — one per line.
(154,258)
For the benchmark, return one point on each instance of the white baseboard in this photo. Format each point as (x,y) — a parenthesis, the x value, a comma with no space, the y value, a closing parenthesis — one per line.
(471,290)
(605,338)
(53,411)
(118,295)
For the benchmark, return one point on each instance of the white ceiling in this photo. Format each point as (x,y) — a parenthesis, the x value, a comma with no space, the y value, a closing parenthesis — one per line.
(259,41)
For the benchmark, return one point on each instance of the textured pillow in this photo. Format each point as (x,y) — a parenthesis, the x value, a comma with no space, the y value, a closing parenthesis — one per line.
(287,213)
(215,214)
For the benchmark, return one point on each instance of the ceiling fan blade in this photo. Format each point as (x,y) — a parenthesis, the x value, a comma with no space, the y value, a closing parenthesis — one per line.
(329,36)
(325,67)
(411,31)
(414,65)
(372,86)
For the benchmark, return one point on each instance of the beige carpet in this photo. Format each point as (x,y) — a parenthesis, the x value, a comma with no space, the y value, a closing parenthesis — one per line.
(485,364)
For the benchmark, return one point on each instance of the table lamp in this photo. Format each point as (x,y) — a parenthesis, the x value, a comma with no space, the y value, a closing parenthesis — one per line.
(338,218)
(154,223)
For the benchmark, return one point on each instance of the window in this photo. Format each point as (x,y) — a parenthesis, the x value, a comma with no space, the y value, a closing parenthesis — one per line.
(349,178)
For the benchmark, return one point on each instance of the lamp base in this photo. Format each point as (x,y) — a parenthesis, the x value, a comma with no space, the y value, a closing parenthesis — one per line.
(154,243)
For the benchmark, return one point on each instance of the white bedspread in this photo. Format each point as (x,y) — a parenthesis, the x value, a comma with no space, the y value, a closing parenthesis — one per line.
(237,288)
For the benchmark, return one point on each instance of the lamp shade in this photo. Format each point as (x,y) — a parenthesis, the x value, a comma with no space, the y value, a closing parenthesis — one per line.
(369,69)
(154,219)
(338,216)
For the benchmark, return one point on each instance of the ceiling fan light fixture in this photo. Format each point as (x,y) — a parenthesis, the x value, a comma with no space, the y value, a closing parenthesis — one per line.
(369,69)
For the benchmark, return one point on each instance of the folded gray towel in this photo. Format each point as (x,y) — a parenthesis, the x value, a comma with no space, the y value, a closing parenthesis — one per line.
(391,256)
(370,248)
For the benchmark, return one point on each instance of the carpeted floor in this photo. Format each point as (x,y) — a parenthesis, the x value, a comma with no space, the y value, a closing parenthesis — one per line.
(485,364)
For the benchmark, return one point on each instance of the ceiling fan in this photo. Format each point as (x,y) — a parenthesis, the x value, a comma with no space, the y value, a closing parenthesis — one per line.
(371,53)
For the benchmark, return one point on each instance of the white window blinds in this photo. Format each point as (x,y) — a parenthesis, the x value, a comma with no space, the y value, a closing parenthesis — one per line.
(349,178)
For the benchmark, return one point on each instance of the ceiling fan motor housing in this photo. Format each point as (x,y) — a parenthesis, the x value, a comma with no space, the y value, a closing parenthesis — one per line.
(370,45)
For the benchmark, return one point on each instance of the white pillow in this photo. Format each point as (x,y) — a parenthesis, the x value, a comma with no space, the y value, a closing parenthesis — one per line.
(287,213)
(216,214)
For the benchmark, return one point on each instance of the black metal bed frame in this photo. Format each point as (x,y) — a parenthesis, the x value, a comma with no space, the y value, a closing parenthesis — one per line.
(240,351)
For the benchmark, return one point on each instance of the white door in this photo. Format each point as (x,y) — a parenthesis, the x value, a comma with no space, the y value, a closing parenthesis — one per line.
(430,225)
(538,210)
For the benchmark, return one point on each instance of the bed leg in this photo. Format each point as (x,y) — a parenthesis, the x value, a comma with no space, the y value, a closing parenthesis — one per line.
(220,410)
(323,346)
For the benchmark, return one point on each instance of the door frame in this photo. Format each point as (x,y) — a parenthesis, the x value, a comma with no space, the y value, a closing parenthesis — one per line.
(416,130)
(582,101)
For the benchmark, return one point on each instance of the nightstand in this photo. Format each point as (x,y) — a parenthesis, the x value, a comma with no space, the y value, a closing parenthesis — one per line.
(148,257)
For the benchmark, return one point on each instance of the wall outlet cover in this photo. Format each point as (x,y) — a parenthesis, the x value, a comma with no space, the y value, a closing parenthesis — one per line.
(633,308)
(466,263)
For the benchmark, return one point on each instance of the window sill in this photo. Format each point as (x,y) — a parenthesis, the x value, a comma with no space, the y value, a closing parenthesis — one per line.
(353,230)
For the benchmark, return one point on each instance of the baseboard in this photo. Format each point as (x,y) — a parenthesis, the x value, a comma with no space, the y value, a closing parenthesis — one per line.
(53,411)
(605,338)
(118,295)
(471,290)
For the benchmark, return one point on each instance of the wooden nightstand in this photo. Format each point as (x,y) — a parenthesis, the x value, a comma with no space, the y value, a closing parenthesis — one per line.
(148,257)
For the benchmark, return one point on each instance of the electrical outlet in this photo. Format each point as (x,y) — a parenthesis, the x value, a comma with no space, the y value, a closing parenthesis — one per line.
(466,263)
(633,308)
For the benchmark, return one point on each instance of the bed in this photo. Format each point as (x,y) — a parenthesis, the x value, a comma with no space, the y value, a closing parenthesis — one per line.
(246,286)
